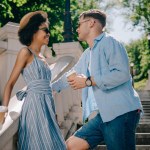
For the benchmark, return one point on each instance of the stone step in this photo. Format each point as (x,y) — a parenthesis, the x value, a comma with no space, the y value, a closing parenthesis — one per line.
(145,99)
(138,147)
(146,105)
(143,128)
(145,113)
(145,120)
(141,125)
(146,117)
(145,102)
(146,110)
(142,147)
(143,138)
(144,93)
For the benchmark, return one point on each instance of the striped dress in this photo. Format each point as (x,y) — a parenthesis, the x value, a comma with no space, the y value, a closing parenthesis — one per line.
(38,129)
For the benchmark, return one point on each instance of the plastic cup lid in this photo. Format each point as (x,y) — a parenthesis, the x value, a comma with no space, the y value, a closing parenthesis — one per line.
(3,108)
(70,73)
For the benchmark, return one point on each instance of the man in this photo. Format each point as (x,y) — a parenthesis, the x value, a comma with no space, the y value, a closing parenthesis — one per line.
(103,75)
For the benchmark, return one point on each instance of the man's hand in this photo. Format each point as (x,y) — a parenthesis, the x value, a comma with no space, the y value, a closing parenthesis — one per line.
(78,82)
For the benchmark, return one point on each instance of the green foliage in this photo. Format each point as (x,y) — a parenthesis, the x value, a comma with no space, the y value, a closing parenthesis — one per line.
(77,7)
(140,85)
(139,13)
(139,54)
(14,10)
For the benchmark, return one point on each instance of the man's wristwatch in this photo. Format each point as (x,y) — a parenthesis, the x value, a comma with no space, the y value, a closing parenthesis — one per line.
(88,81)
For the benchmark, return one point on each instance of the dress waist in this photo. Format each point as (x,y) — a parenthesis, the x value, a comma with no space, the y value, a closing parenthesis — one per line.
(36,86)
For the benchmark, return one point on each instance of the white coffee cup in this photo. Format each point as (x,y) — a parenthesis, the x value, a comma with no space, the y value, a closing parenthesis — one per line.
(71,74)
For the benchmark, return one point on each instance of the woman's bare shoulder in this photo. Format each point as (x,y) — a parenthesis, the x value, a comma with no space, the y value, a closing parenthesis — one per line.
(24,52)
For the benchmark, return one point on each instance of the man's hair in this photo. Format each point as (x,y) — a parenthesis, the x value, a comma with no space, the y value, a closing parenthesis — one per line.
(26,33)
(96,14)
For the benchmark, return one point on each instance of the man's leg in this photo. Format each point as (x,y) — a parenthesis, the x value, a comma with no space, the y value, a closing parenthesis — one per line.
(75,143)
(119,134)
(130,129)
(88,136)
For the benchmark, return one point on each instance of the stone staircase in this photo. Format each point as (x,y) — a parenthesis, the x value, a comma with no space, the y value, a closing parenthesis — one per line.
(143,129)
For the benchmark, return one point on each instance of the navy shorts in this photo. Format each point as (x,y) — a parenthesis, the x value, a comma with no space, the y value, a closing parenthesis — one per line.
(119,134)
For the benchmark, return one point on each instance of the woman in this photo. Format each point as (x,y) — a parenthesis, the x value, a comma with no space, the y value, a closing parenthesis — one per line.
(38,129)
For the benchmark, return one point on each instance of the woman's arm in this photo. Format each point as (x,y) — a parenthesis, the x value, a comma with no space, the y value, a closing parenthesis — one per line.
(20,63)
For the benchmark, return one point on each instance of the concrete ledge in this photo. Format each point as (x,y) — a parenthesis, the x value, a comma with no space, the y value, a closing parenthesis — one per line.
(3,46)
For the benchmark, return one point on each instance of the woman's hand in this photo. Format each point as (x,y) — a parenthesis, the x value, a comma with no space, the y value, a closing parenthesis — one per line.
(3,114)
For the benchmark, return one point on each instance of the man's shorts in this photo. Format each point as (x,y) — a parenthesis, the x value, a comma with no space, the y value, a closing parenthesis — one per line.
(91,132)
(119,133)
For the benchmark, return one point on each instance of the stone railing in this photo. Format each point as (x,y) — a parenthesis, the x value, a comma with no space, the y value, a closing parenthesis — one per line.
(67,102)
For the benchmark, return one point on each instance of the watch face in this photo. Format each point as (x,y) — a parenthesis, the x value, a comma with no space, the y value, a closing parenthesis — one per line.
(88,82)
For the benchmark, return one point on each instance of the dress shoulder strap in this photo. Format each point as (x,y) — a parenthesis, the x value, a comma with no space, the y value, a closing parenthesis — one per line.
(31,51)
(35,57)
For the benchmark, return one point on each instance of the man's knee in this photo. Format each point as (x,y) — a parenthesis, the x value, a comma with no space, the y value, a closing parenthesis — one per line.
(75,143)
(69,144)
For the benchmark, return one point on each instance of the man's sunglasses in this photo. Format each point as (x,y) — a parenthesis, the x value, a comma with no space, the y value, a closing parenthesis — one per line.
(46,30)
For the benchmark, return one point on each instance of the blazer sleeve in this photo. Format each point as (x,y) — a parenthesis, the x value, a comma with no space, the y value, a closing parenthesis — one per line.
(62,83)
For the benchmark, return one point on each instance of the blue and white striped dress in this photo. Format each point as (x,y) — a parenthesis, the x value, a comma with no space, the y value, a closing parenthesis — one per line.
(38,129)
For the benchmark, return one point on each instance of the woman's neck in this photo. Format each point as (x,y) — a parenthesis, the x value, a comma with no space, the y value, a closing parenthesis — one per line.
(35,48)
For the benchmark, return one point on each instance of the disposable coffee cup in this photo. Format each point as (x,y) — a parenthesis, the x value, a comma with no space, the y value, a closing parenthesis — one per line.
(71,74)
(3,110)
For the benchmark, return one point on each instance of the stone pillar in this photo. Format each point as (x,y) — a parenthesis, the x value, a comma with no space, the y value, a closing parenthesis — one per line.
(59,108)
(65,101)
(9,47)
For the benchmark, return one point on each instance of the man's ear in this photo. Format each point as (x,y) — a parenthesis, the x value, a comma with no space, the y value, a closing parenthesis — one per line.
(92,22)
